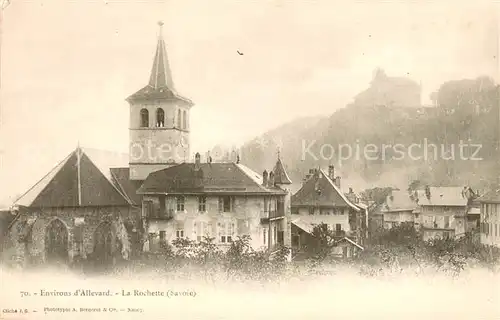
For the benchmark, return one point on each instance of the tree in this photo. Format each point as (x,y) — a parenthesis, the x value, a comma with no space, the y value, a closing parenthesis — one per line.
(322,242)
(376,194)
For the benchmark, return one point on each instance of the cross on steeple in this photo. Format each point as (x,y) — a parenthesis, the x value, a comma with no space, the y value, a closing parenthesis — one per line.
(161,75)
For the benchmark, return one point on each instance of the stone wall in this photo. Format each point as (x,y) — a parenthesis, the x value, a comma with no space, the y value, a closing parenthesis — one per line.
(29,230)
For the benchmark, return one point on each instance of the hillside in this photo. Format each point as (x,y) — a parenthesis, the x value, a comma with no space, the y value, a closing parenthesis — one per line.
(467,111)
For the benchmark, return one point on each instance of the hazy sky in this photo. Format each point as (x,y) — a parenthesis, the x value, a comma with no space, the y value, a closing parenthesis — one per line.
(68,65)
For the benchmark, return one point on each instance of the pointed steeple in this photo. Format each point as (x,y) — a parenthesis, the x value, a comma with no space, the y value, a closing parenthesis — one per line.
(280,174)
(161,85)
(161,75)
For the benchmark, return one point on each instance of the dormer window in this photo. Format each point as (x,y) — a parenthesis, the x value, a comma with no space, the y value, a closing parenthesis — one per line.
(160,118)
(144,118)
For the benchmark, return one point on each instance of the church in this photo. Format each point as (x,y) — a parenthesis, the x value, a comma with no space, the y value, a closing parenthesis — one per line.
(101,206)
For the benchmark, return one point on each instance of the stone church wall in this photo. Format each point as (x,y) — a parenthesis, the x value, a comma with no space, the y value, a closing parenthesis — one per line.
(28,232)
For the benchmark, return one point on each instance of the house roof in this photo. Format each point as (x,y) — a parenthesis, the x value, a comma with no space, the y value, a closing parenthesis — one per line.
(443,196)
(121,179)
(161,85)
(280,174)
(229,178)
(83,178)
(398,200)
(301,223)
(320,190)
(346,239)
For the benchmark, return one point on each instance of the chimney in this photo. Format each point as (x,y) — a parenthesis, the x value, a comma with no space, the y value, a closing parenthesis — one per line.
(197,160)
(331,172)
(264,178)
(428,192)
(237,158)
(337,181)
(271,179)
(350,190)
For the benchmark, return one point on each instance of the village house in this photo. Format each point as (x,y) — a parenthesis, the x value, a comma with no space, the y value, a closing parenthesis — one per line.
(490,218)
(444,211)
(217,200)
(399,207)
(321,201)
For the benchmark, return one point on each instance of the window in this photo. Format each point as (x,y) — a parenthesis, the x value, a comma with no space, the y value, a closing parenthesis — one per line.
(144,118)
(160,118)
(311,210)
(153,241)
(201,230)
(280,205)
(281,237)
(179,229)
(179,234)
(180,203)
(163,239)
(226,204)
(184,119)
(226,232)
(338,227)
(179,116)
(163,212)
(275,234)
(148,208)
(264,235)
(446,222)
(496,231)
(295,211)
(266,204)
(202,204)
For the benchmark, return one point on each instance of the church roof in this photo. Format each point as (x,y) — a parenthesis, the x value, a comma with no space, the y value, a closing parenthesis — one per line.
(161,85)
(228,178)
(82,179)
(280,174)
(320,190)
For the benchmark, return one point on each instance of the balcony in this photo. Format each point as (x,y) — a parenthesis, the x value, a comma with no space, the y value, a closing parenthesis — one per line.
(272,216)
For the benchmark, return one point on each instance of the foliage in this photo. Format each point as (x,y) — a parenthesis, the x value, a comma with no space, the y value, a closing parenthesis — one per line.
(467,109)
(376,194)
(322,242)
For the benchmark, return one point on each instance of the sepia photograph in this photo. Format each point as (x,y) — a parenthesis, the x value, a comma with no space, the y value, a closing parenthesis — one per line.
(263,159)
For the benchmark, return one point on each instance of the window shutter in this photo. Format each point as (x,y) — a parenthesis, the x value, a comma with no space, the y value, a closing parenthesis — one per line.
(221,204)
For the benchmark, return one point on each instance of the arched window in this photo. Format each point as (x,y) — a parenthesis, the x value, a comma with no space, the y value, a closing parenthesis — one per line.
(144,118)
(56,241)
(184,120)
(160,118)
(179,120)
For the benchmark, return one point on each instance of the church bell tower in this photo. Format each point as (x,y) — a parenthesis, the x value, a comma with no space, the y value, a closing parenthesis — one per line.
(159,121)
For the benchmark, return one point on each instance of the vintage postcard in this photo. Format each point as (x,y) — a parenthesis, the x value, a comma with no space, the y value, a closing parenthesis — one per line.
(263,159)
